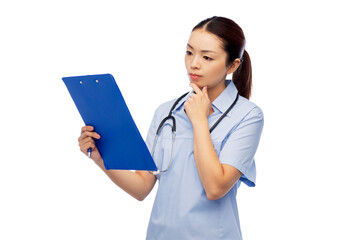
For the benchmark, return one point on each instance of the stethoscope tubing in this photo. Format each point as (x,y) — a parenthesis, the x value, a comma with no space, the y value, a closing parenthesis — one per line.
(174,129)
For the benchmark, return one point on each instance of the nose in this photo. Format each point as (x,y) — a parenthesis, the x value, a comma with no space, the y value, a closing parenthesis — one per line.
(195,63)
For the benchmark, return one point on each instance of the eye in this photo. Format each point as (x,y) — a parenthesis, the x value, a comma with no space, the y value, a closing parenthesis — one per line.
(188,53)
(207,58)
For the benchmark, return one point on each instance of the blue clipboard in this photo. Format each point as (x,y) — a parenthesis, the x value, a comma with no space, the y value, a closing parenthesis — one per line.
(101,105)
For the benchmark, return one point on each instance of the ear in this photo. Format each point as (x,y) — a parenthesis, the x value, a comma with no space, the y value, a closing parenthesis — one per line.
(234,65)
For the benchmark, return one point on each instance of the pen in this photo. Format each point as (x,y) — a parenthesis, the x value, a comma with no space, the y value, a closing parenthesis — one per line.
(89,152)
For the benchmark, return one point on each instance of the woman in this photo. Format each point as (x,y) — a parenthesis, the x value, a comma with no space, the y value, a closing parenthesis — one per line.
(201,171)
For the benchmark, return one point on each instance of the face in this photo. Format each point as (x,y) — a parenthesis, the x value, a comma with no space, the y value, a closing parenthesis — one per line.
(205,60)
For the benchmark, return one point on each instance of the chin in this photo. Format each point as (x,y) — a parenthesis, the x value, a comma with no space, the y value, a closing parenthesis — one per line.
(198,84)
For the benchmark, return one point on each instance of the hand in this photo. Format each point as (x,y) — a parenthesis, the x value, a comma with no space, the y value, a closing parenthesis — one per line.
(86,141)
(198,106)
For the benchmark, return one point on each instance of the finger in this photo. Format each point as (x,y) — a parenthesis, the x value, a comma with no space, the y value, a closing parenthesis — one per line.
(196,88)
(87,128)
(86,140)
(84,148)
(89,134)
(204,91)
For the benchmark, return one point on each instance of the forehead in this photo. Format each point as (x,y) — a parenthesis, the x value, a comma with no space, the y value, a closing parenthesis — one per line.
(203,40)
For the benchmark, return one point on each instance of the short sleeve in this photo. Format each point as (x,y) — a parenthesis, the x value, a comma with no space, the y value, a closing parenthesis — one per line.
(240,146)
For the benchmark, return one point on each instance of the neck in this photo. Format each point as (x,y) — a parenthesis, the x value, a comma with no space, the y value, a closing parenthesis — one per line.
(215,91)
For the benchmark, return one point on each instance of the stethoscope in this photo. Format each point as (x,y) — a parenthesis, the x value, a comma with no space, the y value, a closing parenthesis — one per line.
(174,129)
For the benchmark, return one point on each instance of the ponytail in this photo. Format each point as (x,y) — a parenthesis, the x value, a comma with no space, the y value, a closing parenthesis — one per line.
(242,77)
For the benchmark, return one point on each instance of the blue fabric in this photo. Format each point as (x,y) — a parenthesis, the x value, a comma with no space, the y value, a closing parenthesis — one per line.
(181,209)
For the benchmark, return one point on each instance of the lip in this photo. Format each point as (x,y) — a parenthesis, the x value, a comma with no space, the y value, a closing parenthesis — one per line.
(194,76)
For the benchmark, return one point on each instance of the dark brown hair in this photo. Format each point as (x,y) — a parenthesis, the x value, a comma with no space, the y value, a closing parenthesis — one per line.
(233,40)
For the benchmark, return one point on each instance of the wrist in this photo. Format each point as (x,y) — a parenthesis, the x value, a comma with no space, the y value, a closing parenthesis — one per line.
(98,161)
(200,122)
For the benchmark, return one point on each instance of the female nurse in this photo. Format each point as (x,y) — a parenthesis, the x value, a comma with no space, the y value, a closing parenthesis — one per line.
(202,169)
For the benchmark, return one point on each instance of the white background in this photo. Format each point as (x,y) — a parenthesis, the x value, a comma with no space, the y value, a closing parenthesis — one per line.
(305,57)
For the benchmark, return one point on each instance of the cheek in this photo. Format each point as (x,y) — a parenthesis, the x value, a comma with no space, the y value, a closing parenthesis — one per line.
(218,70)
(186,62)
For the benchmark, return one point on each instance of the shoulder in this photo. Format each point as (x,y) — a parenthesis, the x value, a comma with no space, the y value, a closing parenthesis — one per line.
(163,109)
(166,105)
(245,109)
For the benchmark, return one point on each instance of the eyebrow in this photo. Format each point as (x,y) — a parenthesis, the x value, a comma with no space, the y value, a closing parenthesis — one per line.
(204,51)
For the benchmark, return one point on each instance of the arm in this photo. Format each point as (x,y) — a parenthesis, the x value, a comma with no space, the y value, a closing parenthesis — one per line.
(216,178)
(236,159)
(138,184)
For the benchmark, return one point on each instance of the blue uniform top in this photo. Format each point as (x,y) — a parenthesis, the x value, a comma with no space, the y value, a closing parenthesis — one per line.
(181,209)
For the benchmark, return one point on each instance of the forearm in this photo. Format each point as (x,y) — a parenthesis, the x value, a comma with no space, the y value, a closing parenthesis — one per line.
(131,182)
(208,165)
